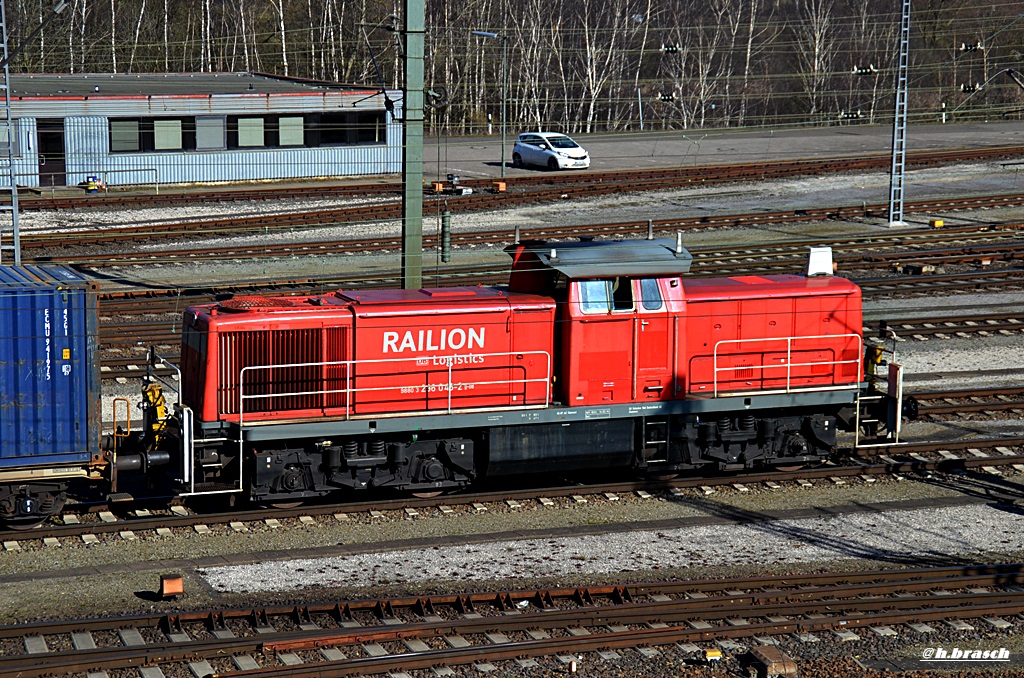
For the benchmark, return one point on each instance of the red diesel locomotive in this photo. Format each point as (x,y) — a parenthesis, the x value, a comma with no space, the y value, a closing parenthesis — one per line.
(598,355)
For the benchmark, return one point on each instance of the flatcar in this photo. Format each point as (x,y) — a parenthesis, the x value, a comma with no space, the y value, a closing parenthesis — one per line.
(597,356)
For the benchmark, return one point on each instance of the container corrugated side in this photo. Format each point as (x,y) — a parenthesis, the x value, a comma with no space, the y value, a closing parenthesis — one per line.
(49,372)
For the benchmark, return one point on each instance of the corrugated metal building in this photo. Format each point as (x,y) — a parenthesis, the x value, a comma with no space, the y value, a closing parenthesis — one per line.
(202,127)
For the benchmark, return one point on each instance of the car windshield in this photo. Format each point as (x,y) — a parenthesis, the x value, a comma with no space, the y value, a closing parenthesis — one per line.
(562,142)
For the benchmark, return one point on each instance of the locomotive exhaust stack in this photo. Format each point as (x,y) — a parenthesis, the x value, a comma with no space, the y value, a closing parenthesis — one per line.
(819,262)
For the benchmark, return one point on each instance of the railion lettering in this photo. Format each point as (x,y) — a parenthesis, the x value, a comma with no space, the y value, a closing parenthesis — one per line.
(418,341)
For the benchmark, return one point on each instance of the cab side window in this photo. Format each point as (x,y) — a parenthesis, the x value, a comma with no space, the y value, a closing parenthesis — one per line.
(650,295)
(606,296)
(594,296)
(622,294)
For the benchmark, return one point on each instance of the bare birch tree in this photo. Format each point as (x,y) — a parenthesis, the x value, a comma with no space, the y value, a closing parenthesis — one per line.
(815,32)
(279,6)
(113,38)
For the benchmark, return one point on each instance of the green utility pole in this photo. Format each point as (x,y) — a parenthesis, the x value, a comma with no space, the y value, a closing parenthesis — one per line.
(412,147)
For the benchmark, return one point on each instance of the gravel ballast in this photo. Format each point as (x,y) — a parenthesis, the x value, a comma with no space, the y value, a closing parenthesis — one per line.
(935,536)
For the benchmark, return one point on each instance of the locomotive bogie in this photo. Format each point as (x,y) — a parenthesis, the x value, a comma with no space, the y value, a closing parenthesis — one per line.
(745,441)
(416,464)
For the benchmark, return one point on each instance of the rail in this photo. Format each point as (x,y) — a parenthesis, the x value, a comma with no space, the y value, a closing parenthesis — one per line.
(789,364)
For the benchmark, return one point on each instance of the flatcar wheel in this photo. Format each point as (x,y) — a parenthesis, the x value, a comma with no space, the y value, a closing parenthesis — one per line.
(27,523)
(793,468)
(28,511)
(428,495)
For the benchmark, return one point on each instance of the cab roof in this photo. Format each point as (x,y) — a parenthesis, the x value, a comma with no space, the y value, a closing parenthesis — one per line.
(656,258)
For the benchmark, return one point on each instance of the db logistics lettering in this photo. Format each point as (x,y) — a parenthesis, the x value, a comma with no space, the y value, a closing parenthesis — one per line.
(434,340)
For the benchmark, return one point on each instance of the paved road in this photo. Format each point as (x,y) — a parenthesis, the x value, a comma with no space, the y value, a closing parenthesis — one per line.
(480,157)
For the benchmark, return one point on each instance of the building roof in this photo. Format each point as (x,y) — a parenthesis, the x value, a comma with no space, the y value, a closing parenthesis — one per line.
(611,258)
(93,85)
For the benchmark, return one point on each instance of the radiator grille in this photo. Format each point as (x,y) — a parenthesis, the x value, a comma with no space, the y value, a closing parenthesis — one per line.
(239,350)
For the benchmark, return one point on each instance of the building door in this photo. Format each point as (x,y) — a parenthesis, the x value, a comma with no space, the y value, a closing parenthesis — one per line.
(50,146)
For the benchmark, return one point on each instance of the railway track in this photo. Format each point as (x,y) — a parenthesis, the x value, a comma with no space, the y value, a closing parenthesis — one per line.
(592,183)
(956,403)
(377,636)
(946,327)
(885,252)
(107,521)
(44,244)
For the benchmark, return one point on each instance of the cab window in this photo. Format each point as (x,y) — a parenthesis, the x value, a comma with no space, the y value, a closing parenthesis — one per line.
(594,296)
(622,294)
(606,296)
(650,295)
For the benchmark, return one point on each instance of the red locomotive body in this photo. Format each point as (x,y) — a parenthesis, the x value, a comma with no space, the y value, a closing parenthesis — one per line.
(779,332)
(598,355)
(368,353)
(670,338)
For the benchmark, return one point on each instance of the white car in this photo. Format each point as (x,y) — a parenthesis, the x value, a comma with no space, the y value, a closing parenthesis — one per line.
(549,149)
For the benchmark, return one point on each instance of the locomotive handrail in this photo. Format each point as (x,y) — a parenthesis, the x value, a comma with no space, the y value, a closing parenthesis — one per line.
(154,359)
(451,362)
(789,356)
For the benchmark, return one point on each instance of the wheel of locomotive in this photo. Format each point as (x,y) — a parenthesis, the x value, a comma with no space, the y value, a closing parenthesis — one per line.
(552,164)
(428,495)
(790,468)
(517,160)
(284,505)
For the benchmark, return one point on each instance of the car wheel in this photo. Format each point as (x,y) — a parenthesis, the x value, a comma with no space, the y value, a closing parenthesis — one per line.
(517,160)
(552,164)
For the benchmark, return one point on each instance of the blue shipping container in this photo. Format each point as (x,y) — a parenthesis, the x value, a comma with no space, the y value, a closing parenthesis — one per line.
(49,369)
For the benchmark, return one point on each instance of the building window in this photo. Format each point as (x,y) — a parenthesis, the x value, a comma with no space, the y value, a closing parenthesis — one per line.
(124,136)
(250,132)
(290,131)
(9,136)
(167,135)
(143,135)
(217,132)
(336,129)
(211,133)
(369,128)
